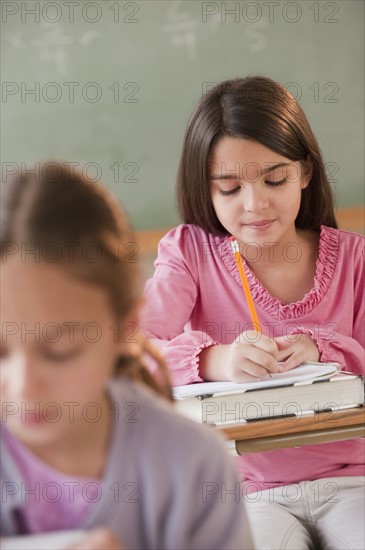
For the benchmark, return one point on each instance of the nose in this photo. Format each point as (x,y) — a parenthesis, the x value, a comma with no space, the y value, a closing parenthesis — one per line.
(254,197)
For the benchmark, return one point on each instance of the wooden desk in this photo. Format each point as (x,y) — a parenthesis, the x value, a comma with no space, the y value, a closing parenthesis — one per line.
(276,433)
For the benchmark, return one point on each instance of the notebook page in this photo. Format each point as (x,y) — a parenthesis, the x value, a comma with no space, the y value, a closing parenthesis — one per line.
(304,371)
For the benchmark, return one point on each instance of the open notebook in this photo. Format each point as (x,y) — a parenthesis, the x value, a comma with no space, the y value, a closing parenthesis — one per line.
(303,372)
(310,387)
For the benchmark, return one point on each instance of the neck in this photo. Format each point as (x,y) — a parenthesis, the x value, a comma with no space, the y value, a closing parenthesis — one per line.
(287,270)
(291,249)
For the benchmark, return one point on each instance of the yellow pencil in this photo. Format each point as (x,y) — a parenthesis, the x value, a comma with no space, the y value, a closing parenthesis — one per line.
(245,285)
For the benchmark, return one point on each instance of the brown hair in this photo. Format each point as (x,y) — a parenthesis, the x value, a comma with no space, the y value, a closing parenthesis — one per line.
(259,109)
(57,209)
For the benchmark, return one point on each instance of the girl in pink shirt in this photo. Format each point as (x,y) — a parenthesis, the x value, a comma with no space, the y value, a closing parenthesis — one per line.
(251,167)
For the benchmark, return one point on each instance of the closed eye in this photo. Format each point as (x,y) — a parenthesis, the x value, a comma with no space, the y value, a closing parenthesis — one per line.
(275,183)
(58,356)
(230,192)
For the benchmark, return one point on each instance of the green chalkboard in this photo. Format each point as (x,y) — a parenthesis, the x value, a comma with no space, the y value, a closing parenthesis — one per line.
(109,85)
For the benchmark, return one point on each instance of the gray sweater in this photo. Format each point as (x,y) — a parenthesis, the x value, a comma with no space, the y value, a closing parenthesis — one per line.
(178,487)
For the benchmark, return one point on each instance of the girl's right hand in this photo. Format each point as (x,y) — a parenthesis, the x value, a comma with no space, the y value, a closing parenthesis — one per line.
(98,539)
(250,357)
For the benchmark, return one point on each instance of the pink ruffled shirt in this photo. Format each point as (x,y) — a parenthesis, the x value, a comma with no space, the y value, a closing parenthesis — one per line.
(195,300)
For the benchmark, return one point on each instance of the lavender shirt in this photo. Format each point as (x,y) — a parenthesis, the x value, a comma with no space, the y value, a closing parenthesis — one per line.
(195,299)
(168,483)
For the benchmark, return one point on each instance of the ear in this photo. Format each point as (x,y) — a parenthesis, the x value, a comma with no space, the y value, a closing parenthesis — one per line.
(307,171)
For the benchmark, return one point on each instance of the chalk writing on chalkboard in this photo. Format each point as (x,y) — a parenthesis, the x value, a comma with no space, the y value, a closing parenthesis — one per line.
(15,40)
(183,29)
(255,36)
(52,44)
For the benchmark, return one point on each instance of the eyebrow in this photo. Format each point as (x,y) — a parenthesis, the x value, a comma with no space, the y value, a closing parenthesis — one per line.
(264,171)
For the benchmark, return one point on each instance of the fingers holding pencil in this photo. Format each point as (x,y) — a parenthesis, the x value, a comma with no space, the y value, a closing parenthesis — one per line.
(258,359)
(250,357)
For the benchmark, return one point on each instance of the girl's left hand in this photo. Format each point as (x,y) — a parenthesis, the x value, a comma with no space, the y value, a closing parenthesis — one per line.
(296,348)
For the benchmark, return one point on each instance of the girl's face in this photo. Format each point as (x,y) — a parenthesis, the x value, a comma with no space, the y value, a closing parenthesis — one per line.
(256,193)
(58,350)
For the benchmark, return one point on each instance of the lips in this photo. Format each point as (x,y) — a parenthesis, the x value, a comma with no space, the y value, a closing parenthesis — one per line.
(259,224)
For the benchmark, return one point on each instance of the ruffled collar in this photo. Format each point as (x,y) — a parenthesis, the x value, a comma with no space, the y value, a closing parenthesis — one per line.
(325,267)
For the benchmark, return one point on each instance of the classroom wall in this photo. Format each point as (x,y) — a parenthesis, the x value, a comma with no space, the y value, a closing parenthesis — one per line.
(109,85)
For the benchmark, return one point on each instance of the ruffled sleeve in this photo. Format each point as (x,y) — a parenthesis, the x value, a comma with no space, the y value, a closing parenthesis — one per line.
(170,297)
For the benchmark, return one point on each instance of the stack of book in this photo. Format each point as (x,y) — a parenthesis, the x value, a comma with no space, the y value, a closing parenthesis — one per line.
(309,388)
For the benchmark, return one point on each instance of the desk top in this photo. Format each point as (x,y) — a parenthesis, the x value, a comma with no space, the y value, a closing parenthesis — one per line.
(275,433)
